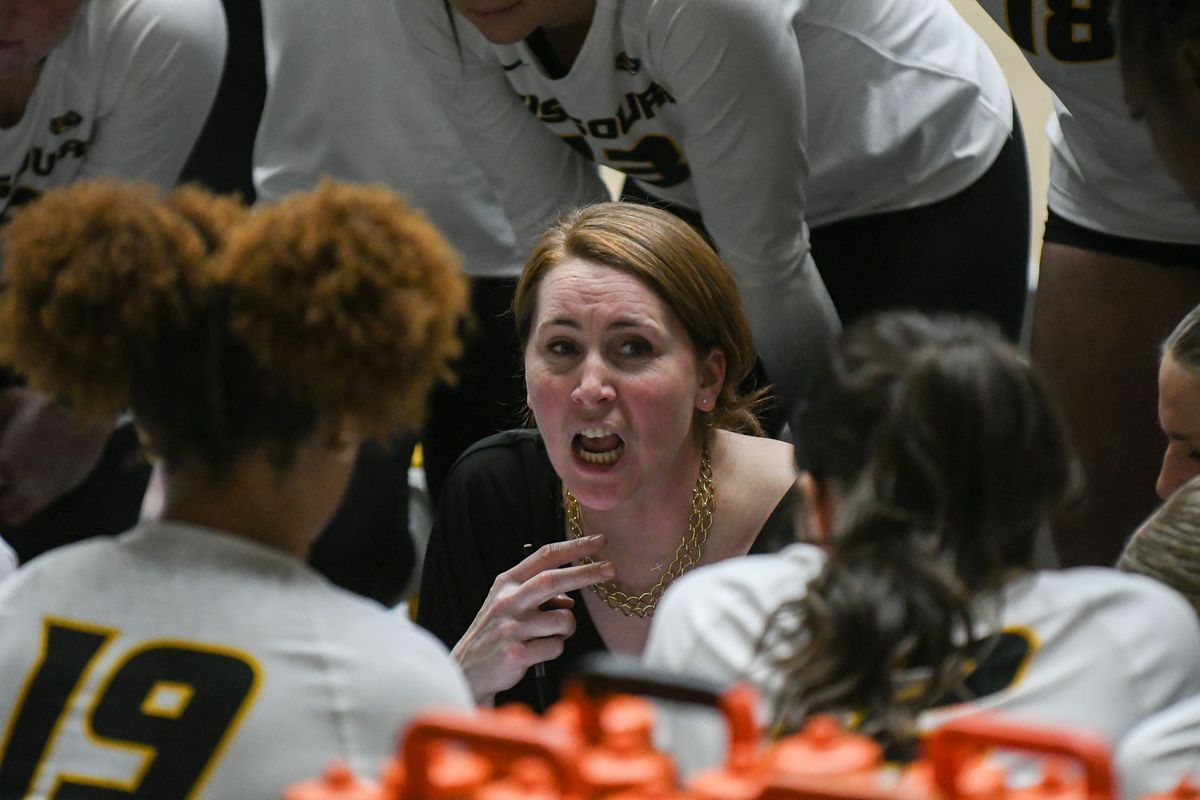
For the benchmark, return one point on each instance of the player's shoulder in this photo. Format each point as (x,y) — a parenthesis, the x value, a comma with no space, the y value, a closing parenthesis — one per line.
(1115,605)
(47,580)
(713,617)
(123,42)
(53,564)
(1093,584)
(170,16)
(753,585)
(129,22)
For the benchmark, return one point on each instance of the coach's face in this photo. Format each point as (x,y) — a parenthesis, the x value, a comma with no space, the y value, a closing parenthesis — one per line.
(510,21)
(29,30)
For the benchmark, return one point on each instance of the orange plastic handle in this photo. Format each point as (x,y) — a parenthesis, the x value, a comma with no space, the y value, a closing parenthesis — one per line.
(952,746)
(498,740)
(604,673)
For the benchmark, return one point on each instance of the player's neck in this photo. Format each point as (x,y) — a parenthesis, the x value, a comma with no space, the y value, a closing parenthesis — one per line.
(15,91)
(254,499)
(567,40)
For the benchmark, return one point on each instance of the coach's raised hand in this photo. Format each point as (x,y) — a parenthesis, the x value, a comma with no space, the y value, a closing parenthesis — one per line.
(512,631)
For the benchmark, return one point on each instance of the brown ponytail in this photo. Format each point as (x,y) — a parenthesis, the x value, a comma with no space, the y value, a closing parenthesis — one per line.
(968,464)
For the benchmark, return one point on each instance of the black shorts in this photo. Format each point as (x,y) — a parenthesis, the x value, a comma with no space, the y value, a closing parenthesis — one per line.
(965,254)
(1060,230)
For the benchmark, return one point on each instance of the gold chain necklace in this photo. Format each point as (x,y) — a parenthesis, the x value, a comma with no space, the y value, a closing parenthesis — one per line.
(687,555)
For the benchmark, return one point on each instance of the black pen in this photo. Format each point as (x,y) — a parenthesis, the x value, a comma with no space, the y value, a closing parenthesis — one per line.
(539,669)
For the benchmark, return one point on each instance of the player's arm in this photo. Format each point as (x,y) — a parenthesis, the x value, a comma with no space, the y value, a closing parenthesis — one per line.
(735,70)
(162,64)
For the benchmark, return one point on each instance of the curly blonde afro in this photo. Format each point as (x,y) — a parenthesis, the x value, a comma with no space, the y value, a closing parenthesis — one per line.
(350,299)
(93,273)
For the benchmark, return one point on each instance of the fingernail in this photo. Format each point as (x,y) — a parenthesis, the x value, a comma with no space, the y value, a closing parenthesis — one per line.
(595,538)
(607,571)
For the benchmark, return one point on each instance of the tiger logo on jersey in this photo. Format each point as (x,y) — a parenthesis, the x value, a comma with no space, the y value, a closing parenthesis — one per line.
(65,122)
(627,64)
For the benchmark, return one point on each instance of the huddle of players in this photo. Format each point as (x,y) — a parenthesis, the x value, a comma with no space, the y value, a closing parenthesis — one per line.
(296,324)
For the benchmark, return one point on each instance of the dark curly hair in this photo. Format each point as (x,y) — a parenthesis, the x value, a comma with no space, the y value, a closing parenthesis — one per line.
(967,464)
(227,330)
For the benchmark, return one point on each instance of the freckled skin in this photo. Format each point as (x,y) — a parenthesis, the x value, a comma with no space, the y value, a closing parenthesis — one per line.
(29,30)
(1179,416)
(605,351)
(510,21)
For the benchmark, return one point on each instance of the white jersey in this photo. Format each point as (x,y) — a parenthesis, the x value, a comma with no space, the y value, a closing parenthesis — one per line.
(1104,172)
(1161,752)
(124,95)
(330,112)
(1092,648)
(179,662)
(704,102)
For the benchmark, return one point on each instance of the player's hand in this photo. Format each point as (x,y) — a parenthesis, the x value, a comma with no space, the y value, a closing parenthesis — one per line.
(44,453)
(526,616)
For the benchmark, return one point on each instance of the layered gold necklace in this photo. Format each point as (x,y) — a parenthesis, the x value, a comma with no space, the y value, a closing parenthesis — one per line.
(687,555)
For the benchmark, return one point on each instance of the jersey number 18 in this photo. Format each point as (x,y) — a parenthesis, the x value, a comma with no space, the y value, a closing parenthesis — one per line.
(1074,30)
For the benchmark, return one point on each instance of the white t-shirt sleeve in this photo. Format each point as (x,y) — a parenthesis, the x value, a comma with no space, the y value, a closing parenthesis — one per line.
(736,72)
(536,176)
(1155,756)
(162,64)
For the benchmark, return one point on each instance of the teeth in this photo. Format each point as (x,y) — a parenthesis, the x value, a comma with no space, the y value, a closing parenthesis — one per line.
(607,457)
(593,437)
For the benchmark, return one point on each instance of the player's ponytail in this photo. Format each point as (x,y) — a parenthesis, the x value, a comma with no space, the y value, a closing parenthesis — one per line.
(93,274)
(968,465)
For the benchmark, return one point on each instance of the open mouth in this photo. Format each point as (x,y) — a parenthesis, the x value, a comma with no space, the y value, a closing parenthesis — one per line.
(597,446)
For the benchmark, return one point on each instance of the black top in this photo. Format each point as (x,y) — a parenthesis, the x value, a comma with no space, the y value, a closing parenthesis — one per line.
(502,494)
